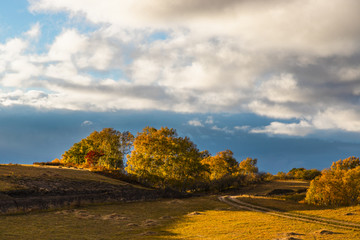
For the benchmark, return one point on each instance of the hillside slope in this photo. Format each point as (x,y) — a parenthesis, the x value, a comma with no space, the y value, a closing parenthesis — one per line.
(25,188)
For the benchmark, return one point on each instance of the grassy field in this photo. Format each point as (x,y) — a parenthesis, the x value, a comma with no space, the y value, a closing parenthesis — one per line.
(192,218)
(10,175)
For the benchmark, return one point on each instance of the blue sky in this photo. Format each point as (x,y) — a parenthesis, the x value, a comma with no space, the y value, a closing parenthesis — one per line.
(273,80)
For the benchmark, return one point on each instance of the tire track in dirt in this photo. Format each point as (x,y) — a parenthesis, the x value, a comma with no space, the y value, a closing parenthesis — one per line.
(232,201)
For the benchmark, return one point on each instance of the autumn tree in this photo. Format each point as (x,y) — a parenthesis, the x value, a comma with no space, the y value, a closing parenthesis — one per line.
(220,165)
(107,142)
(106,148)
(92,157)
(248,166)
(346,164)
(126,142)
(162,159)
(302,173)
(337,186)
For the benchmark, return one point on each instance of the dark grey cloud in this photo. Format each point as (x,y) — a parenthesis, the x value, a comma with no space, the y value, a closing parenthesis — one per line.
(28,135)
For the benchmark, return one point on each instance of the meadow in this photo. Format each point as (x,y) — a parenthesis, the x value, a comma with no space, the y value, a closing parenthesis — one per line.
(202,217)
(193,218)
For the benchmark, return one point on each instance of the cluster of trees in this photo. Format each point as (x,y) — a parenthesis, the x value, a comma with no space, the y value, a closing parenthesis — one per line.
(337,186)
(160,158)
(163,159)
(299,173)
(106,148)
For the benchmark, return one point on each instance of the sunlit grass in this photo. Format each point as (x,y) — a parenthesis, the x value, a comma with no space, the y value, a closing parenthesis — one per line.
(165,219)
(12,172)
(351,214)
(248,225)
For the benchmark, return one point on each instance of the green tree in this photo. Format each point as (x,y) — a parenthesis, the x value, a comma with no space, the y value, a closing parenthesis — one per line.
(163,159)
(76,154)
(107,142)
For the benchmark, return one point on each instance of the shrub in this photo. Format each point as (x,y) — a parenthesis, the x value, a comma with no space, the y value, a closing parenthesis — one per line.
(337,186)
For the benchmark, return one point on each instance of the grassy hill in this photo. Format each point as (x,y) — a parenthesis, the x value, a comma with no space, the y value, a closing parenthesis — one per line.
(24,188)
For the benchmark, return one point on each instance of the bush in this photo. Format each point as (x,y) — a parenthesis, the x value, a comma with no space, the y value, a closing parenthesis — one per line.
(337,186)
(281,176)
(267,177)
(52,163)
(303,174)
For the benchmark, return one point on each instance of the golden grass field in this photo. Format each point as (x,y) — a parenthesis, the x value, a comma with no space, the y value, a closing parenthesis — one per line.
(164,219)
(192,218)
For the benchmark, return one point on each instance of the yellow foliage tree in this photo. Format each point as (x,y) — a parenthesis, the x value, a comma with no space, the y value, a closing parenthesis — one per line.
(163,159)
(248,166)
(220,165)
(337,186)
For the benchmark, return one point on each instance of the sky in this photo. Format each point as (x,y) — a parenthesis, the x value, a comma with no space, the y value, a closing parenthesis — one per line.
(275,80)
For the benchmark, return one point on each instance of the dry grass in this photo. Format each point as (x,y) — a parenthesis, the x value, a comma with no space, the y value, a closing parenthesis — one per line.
(7,186)
(117,221)
(48,172)
(262,189)
(165,219)
(249,225)
(351,214)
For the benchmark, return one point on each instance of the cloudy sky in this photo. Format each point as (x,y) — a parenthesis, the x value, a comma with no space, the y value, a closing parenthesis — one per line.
(276,80)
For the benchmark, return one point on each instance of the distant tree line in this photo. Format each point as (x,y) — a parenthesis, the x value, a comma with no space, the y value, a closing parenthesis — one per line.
(160,158)
(298,174)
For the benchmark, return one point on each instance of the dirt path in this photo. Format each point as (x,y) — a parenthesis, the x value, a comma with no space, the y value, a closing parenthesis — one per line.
(232,201)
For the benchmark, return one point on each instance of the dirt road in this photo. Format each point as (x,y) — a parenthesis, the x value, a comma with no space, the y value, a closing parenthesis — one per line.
(233,201)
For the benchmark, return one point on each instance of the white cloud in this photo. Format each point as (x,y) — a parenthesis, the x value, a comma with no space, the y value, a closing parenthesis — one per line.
(34,32)
(66,45)
(273,110)
(86,123)
(275,58)
(302,128)
(195,123)
(209,120)
(223,129)
(330,119)
(311,26)
(32,98)
(349,73)
(335,118)
(242,128)
(283,88)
